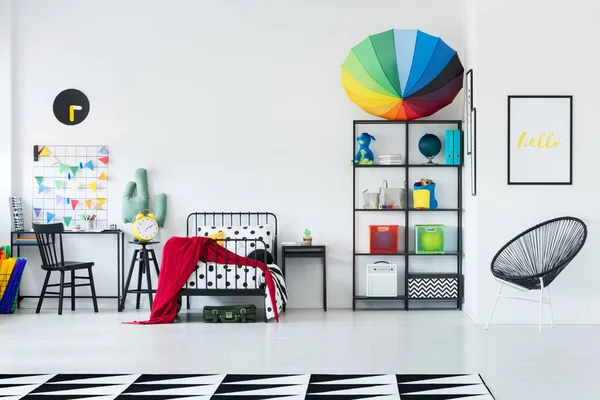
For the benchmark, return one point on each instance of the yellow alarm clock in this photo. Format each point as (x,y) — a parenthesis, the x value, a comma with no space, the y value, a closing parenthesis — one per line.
(145,227)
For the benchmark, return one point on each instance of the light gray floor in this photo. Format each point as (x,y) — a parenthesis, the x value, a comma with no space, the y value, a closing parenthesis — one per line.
(515,362)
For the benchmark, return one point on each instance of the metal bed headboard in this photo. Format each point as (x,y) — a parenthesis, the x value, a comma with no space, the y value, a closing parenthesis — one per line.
(231,218)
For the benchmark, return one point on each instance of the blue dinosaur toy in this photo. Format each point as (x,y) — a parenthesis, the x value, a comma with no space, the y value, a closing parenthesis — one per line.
(364,155)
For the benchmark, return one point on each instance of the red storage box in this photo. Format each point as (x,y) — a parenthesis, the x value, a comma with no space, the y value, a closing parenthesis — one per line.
(383,238)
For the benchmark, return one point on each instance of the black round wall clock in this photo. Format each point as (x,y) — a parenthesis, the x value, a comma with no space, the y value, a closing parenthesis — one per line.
(71,107)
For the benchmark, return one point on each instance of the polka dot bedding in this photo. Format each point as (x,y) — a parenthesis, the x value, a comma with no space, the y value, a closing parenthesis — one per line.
(222,276)
(249,238)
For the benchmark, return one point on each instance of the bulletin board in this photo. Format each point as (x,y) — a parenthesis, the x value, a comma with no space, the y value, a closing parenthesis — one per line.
(70,184)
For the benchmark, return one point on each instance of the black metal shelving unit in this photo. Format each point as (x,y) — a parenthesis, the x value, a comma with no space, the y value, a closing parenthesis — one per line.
(407,254)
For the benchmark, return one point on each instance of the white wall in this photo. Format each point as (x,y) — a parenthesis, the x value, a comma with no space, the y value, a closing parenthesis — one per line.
(537,47)
(210,96)
(5,110)
(470,202)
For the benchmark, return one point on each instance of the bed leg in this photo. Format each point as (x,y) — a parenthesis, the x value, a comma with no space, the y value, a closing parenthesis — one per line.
(265,303)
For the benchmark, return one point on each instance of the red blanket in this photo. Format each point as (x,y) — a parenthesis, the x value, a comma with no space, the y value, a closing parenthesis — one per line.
(180,257)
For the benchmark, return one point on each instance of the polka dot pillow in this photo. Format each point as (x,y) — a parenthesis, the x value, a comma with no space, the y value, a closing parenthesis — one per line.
(265,233)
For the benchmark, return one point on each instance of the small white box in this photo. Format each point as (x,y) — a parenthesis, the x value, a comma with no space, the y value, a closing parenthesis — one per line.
(382,280)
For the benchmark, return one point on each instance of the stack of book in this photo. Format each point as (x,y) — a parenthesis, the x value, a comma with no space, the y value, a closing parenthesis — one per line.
(26,240)
(390,159)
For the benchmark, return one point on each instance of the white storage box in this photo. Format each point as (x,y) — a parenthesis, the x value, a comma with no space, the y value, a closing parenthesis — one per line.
(382,280)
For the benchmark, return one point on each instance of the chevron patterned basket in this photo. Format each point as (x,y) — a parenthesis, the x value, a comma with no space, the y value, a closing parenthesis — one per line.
(429,287)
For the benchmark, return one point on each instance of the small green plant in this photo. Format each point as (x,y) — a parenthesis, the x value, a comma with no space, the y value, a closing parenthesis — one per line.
(307,233)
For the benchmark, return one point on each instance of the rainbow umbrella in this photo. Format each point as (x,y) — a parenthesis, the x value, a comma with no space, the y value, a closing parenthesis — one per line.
(402,74)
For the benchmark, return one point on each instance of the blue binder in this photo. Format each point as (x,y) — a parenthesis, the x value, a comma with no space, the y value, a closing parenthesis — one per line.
(457,147)
(449,145)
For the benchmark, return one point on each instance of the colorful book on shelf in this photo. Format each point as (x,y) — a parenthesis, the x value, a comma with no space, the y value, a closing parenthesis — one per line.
(26,240)
(453,147)
(457,146)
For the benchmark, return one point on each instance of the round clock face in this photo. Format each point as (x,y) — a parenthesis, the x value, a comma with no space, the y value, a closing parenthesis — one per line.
(147,228)
(71,107)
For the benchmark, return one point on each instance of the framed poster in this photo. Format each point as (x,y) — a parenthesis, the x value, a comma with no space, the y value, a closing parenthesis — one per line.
(474,152)
(540,140)
(469,108)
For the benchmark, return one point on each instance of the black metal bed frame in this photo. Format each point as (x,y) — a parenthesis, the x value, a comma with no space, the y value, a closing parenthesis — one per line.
(238,218)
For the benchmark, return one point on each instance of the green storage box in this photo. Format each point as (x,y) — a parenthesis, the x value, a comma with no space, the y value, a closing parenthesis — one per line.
(429,239)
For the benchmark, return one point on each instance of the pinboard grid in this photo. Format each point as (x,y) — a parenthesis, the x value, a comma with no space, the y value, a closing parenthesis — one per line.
(69,183)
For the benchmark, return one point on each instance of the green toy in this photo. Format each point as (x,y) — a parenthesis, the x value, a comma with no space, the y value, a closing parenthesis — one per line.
(133,205)
(307,233)
(6,250)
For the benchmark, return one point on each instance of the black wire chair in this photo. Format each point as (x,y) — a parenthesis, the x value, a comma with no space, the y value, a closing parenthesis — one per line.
(535,258)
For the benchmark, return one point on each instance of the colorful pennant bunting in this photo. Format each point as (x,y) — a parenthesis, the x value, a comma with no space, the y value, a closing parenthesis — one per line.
(101,200)
(58,183)
(59,199)
(103,150)
(74,170)
(75,185)
(37,211)
(103,160)
(67,220)
(53,160)
(63,167)
(88,203)
(103,177)
(44,151)
(89,165)
(74,203)
(42,189)
(49,217)
(39,179)
(92,185)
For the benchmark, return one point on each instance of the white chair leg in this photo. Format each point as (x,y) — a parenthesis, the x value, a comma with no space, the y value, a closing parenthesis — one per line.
(487,326)
(541,303)
(551,311)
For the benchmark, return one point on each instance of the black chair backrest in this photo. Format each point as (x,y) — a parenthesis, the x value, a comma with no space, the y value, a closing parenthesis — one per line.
(543,250)
(47,236)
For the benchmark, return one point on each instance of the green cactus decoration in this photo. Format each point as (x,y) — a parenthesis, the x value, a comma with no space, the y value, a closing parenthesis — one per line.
(133,205)
(307,233)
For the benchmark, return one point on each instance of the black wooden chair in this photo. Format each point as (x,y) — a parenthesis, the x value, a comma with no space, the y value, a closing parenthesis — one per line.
(534,259)
(49,236)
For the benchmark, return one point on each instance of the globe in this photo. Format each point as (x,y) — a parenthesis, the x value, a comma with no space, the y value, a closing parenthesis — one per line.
(430,146)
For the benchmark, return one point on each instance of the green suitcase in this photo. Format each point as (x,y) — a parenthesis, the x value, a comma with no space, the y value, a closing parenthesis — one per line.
(234,314)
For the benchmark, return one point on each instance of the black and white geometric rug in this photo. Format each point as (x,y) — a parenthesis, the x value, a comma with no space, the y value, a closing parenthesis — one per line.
(246,387)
